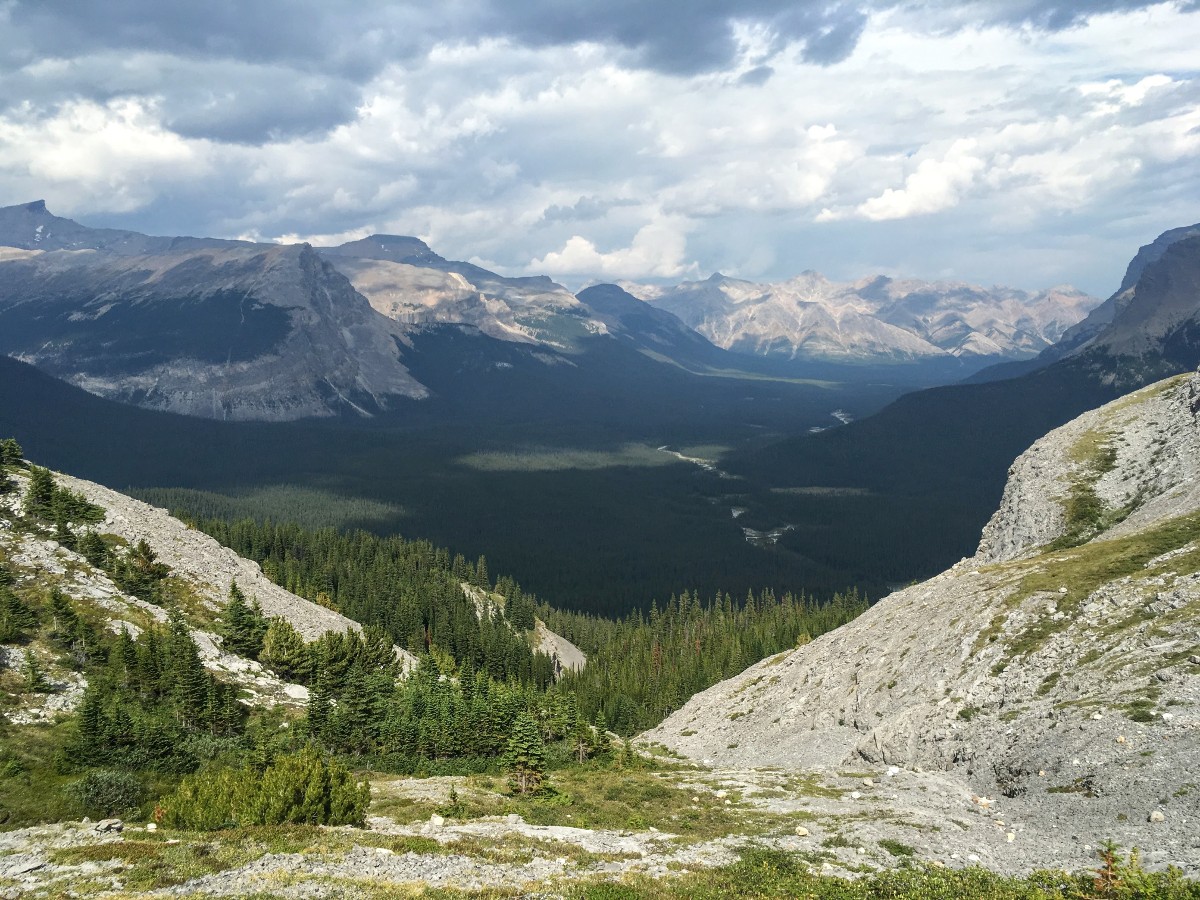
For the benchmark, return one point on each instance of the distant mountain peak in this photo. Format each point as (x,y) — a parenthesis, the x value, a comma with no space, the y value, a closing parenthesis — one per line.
(37,206)
(399,248)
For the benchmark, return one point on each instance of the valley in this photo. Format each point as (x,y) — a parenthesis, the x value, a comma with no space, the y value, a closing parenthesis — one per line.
(720,643)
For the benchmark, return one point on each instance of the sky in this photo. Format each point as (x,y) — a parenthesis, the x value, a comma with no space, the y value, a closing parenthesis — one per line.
(1012,142)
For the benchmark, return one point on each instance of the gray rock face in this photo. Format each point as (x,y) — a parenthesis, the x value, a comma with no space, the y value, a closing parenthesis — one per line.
(262,333)
(1029,672)
(409,283)
(222,329)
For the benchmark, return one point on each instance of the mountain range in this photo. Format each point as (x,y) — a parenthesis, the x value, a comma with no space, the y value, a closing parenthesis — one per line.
(811,317)
(248,331)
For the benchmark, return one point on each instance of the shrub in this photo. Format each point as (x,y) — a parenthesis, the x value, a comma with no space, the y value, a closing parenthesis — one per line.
(302,788)
(103,793)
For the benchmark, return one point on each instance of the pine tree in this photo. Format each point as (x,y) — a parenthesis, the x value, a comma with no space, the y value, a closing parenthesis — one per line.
(90,746)
(189,682)
(582,740)
(94,550)
(525,756)
(15,616)
(600,741)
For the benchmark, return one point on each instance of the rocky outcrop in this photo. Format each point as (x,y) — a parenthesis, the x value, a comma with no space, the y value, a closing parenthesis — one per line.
(1058,669)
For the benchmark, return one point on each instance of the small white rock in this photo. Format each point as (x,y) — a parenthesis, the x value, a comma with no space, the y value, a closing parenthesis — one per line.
(869,782)
(893,771)
(1157,816)
(1010,837)
(801,831)
(151,826)
(855,795)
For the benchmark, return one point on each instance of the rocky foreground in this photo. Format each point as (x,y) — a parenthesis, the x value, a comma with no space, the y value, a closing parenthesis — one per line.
(1053,679)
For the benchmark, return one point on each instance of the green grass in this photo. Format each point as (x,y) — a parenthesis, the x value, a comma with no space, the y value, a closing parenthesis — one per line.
(31,789)
(596,796)
(1084,569)
(897,849)
(1084,512)
(558,459)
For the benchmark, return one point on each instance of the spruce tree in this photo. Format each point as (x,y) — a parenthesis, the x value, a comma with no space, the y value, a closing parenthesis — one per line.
(284,650)
(35,677)
(189,683)
(525,756)
(40,494)
(15,616)
(244,626)
(11,453)
(92,548)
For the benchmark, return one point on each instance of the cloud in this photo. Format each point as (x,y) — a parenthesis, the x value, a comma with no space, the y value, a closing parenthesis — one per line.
(936,184)
(112,156)
(656,251)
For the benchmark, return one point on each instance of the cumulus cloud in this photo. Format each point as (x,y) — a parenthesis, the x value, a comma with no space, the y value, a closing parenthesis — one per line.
(113,156)
(657,251)
(935,185)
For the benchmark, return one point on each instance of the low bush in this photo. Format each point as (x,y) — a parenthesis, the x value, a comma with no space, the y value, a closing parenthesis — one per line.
(305,788)
(103,793)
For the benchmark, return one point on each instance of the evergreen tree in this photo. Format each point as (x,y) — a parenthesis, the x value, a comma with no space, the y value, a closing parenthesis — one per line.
(284,650)
(90,746)
(525,756)
(140,572)
(92,548)
(582,741)
(35,677)
(11,453)
(189,683)
(39,495)
(15,616)
(244,627)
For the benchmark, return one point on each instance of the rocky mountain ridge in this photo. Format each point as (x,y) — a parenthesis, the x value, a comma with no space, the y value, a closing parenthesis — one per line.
(243,331)
(1056,672)
(879,317)
(222,329)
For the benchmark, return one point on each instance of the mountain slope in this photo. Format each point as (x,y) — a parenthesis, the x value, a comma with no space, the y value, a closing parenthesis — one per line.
(1059,668)
(406,281)
(934,461)
(411,284)
(212,328)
